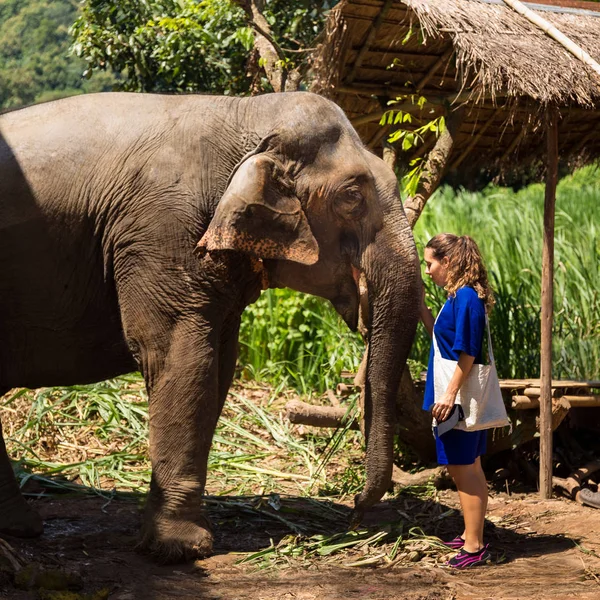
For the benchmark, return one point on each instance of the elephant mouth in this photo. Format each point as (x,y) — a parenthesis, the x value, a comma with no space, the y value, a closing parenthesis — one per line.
(348,310)
(347,302)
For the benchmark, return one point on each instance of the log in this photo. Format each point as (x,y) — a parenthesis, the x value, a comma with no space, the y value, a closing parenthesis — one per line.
(333,398)
(343,389)
(571,486)
(583,401)
(438,476)
(301,413)
(534,392)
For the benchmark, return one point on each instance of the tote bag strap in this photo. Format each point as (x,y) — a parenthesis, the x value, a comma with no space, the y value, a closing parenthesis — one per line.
(436,348)
(489,337)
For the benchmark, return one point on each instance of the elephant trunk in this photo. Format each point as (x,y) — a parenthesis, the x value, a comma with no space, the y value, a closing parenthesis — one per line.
(392,272)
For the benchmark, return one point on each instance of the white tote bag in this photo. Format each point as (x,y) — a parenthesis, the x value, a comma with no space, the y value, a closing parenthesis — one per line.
(479,396)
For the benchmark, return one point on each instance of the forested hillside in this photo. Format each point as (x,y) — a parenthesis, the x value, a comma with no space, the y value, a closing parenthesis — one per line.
(35,64)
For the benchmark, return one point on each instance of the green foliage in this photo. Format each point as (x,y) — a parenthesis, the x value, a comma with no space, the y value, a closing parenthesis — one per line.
(34,53)
(166,45)
(187,45)
(293,339)
(408,139)
(508,228)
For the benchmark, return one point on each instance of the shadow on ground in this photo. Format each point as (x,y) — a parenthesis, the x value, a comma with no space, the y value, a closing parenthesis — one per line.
(95,538)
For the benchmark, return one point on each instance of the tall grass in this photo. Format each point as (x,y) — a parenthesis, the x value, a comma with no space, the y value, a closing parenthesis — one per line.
(508,228)
(295,340)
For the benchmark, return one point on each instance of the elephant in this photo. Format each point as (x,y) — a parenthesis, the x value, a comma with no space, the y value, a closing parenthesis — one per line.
(135,229)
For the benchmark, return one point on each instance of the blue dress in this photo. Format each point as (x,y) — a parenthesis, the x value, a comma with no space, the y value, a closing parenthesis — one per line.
(460,327)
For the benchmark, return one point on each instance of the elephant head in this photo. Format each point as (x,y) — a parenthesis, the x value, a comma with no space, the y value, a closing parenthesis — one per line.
(318,209)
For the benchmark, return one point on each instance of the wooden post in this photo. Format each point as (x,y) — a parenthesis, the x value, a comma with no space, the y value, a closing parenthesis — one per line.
(547,305)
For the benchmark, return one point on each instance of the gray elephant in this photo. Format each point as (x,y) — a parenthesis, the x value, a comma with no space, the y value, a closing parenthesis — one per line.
(134,229)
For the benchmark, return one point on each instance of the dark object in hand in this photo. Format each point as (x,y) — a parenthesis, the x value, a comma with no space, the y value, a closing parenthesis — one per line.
(456,415)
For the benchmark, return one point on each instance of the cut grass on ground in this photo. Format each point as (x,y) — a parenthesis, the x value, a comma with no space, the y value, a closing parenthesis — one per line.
(93,439)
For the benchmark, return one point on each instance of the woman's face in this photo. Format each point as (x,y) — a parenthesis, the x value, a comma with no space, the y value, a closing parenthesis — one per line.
(435,268)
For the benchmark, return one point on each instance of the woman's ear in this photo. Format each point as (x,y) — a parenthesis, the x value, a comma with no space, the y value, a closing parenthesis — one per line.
(260,215)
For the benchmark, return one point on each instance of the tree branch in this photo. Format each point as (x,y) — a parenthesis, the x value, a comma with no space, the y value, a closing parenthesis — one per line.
(271,53)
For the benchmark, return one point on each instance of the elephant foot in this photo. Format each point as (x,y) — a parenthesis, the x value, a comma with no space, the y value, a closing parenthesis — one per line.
(18,519)
(169,540)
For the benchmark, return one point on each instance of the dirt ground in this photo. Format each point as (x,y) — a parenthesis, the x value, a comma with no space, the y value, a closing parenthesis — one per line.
(541,549)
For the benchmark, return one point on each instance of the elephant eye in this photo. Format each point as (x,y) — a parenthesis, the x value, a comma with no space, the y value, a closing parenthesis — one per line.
(350,204)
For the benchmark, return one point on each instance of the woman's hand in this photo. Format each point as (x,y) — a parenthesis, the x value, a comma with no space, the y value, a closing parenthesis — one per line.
(443,407)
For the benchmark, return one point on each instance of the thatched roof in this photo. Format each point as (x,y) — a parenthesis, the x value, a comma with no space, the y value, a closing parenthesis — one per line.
(475,52)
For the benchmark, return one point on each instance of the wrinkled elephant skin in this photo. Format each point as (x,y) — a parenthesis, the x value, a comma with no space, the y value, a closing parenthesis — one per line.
(134,229)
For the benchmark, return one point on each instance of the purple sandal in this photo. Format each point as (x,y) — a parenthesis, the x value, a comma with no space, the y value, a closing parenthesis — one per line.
(464,559)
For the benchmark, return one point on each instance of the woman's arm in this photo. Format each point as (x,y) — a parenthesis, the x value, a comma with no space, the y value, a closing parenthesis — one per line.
(441,409)
(426,316)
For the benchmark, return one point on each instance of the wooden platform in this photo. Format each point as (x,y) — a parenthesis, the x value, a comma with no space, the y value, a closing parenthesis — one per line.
(519,384)
(569,394)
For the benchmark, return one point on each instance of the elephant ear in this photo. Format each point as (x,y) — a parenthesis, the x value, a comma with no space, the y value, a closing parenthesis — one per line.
(260,215)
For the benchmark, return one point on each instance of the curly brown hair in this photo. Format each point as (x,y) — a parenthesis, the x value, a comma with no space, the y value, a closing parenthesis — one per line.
(465,265)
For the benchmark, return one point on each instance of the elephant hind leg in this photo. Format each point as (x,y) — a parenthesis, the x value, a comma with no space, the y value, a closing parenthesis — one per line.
(17,517)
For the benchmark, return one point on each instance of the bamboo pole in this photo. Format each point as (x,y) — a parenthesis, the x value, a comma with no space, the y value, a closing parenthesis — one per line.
(554,33)
(547,305)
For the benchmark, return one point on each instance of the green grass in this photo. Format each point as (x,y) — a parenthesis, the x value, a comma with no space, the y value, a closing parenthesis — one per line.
(294,340)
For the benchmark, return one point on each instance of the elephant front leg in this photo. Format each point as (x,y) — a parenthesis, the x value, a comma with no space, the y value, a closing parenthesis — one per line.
(16,515)
(184,408)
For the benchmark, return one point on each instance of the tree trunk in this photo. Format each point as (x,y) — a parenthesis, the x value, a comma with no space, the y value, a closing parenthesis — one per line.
(274,62)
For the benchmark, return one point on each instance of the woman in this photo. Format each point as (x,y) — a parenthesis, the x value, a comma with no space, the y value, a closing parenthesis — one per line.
(455,264)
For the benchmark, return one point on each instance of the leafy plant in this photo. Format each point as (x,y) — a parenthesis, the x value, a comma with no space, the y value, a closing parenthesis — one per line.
(35,65)
(189,45)
(409,138)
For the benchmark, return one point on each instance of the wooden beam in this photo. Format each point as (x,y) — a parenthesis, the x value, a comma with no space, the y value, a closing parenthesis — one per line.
(518,138)
(444,58)
(531,402)
(474,141)
(377,23)
(547,304)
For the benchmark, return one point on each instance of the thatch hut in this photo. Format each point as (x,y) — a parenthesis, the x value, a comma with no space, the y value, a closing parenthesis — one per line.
(477,54)
(516,83)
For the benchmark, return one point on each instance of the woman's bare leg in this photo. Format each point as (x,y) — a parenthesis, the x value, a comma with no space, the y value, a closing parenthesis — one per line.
(472,492)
